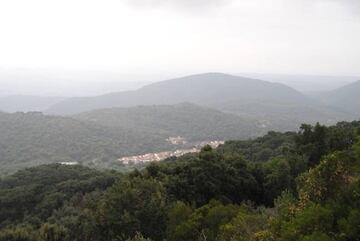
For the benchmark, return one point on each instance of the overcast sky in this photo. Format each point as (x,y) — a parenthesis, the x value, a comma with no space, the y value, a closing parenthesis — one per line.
(179,37)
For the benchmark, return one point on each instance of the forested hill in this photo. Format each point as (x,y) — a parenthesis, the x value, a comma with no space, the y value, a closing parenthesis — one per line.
(193,122)
(33,138)
(280,106)
(346,97)
(99,138)
(304,187)
(212,89)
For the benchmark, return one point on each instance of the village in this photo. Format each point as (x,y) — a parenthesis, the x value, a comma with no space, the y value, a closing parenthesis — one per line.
(159,156)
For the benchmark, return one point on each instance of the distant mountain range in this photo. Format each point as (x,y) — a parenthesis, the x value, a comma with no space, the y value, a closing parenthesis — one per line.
(212,89)
(96,131)
(100,137)
(277,106)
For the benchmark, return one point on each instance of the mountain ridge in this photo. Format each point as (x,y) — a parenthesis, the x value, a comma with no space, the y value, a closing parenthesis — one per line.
(279,105)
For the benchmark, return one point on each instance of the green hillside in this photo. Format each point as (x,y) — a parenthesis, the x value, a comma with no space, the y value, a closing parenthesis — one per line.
(193,122)
(346,98)
(29,139)
(99,138)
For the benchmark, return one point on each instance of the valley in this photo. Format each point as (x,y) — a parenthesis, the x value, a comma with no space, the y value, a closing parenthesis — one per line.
(137,126)
(180,120)
(194,158)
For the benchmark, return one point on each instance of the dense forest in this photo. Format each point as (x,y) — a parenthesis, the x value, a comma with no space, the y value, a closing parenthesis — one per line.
(97,139)
(30,139)
(282,186)
(195,123)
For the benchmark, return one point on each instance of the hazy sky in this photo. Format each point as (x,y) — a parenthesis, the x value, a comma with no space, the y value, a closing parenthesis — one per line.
(178,37)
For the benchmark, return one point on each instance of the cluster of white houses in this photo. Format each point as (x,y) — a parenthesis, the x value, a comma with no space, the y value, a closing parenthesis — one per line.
(159,156)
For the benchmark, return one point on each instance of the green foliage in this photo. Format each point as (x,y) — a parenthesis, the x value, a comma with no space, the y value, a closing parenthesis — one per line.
(138,237)
(31,139)
(350,226)
(203,223)
(328,205)
(312,142)
(132,206)
(178,214)
(223,194)
(193,122)
(247,225)
(314,218)
(328,178)
(33,194)
(277,178)
(262,149)
(317,236)
(99,138)
(316,141)
(215,221)
(208,175)
(52,232)
(17,234)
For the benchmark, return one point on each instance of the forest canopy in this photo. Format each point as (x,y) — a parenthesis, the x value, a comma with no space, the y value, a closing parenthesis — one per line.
(282,186)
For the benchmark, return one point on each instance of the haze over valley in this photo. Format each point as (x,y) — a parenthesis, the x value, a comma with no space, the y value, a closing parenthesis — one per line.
(180,120)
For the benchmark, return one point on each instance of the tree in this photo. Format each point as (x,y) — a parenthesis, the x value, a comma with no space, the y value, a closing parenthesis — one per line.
(314,219)
(138,237)
(328,178)
(18,234)
(247,225)
(203,223)
(132,206)
(328,207)
(311,141)
(210,175)
(52,232)
(277,179)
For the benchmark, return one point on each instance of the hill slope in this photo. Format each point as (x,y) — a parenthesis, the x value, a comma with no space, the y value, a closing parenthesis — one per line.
(32,139)
(193,122)
(207,89)
(277,105)
(99,138)
(346,97)
(27,103)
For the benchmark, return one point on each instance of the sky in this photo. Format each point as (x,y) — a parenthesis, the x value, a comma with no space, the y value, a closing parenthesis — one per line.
(138,40)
